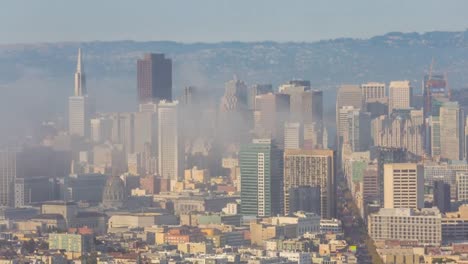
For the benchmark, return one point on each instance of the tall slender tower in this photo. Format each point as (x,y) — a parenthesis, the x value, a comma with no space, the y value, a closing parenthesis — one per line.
(78,104)
(170,148)
(80,79)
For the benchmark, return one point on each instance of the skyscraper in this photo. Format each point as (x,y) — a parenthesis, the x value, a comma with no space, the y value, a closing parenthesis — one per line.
(452,127)
(434,86)
(404,185)
(7,177)
(358,131)
(154,74)
(400,131)
(373,91)
(272,112)
(79,107)
(400,93)
(314,168)
(255,90)
(261,167)
(293,136)
(441,196)
(170,154)
(349,97)
(385,155)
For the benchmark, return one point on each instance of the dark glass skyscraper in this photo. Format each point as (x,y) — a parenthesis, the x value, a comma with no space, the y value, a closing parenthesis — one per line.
(441,196)
(154,73)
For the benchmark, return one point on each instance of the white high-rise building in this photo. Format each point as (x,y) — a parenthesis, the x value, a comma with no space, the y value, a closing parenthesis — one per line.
(78,115)
(78,104)
(7,177)
(404,185)
(293,136)
(400,93)
(170,154)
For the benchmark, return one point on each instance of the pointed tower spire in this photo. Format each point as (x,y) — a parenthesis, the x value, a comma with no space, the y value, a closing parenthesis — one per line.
(80,80)
(78,64)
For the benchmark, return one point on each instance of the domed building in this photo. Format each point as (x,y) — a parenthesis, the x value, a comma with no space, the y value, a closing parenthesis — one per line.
(114,194)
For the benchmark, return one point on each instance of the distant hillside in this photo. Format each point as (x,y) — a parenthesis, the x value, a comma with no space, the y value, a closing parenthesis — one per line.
(37,78)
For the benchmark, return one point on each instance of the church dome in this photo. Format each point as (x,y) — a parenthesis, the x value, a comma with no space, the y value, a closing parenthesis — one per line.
(114,192)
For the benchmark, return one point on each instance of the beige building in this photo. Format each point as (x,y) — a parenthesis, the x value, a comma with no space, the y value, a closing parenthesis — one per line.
(404,185)
(455,225)
(314,168)
(422,227)
(196,175)
(261,232)
(400,93)
(123,222)
(373,91)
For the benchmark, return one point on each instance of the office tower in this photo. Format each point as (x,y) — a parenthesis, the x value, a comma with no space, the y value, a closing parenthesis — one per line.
(145,128)
(304,198)
(358,131)
(78,104)
(293,135)
(314,168)
(461,179)
(314,136)
(348,97)
(306,105)
(255,90)
(400,93)
(154,78)
(170,151)
(312,107)
(434,128)
(405,130)
(370,184)
(373,92)
(422,227)
(127,131)
(342,123)
(261,167)
(101,129)
(7,176)
(235,96)
(452,134)
(434,87)
(404,185)
(272,112)
(234,120)
(78,115)
(441,196)
(385,155)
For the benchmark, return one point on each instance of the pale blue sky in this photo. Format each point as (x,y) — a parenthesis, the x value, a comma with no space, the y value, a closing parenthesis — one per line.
(222,20)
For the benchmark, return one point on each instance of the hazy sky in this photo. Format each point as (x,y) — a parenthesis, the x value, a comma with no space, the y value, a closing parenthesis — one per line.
(222,20)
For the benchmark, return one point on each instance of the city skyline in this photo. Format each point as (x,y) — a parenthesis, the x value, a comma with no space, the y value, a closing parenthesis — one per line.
(235,152)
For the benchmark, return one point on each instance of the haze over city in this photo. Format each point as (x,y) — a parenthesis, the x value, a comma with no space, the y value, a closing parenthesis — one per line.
(233,132)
